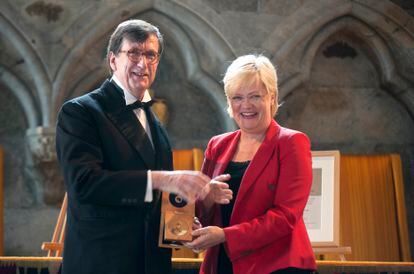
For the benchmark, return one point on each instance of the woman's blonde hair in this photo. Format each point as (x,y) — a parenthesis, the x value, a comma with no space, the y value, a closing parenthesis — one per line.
(246,70)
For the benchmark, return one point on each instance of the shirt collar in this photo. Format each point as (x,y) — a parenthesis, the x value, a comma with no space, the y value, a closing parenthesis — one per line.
(129,98)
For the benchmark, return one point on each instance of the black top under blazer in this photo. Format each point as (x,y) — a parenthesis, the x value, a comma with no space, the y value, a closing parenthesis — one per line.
(104,154)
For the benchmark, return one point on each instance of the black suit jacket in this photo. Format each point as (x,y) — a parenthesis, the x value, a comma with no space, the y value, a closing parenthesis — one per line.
(105,153)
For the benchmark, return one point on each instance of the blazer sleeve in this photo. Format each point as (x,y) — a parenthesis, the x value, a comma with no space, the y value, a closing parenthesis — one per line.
(207,168)
(80,153)
(291,195)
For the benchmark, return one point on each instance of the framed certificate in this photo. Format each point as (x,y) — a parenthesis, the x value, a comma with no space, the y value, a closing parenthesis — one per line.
(321,213)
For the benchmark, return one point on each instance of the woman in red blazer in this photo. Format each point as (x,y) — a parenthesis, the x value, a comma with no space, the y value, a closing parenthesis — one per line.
(268,169)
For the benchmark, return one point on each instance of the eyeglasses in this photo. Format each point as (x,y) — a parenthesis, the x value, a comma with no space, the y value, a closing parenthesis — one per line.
(151,57)
(252,99)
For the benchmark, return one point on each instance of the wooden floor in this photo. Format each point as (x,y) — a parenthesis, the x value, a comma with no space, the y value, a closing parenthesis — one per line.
(53,263)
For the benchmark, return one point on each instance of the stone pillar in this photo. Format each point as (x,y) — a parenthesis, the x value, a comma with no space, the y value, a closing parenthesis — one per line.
(42,165)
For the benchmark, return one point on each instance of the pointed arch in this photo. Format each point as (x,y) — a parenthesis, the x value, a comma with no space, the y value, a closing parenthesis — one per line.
(389,77)
(35,67)
(170,17)
(309,20)
(22,93)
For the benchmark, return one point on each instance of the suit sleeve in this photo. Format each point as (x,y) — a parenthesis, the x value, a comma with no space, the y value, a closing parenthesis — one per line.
(291,195)
(80,153)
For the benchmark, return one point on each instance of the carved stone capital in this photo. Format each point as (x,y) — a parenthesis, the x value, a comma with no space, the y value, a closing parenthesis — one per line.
(41,141)
(42,165)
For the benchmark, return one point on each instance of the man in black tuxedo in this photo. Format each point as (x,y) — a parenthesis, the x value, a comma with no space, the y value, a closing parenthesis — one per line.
(116,160)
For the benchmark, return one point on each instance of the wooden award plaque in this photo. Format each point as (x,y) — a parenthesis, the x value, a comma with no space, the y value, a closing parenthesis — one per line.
(177,218)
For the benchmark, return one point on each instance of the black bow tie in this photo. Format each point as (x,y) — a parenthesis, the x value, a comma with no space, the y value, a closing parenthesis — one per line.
(139,104)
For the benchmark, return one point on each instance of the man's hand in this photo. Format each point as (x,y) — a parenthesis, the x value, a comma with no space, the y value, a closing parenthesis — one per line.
(187,184)
(217,191)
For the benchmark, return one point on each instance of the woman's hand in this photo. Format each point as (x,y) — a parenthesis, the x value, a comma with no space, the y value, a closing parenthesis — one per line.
(217,191)
(207,237)
(196,225)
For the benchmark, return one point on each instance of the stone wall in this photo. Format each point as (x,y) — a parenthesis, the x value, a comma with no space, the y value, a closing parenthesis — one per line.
(345,78)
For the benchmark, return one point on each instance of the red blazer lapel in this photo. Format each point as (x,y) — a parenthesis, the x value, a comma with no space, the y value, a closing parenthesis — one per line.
(225,157)
(258,163)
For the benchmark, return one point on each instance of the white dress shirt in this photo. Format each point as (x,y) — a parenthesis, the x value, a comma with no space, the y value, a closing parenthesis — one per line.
(142,117)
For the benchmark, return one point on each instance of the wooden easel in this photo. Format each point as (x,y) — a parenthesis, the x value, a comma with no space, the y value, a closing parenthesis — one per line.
(340,251)
(55,247)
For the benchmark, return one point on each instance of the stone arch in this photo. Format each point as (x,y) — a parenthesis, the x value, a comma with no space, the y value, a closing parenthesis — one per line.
(35,67)
(194,73)
(312,26)
(342,100)
(298,27)
(22,93)
(309,20)
(93,79)
(168,16)
(395,84)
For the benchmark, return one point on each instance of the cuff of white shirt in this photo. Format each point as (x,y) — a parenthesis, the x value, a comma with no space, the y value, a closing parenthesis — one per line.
(148,193)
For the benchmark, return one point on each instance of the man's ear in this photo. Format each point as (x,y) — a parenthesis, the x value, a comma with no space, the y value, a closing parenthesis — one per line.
(112,61)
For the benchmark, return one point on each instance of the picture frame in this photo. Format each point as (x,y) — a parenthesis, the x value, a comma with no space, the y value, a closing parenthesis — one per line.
(321,214)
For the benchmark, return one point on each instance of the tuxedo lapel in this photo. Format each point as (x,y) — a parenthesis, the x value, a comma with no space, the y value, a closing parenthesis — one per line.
(127,123)
(131,128)
(154,127)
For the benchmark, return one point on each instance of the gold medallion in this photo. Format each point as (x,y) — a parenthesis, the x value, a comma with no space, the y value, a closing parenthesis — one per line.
(178,227)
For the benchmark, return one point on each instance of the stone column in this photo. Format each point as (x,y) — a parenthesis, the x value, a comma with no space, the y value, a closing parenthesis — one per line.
(42,165)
